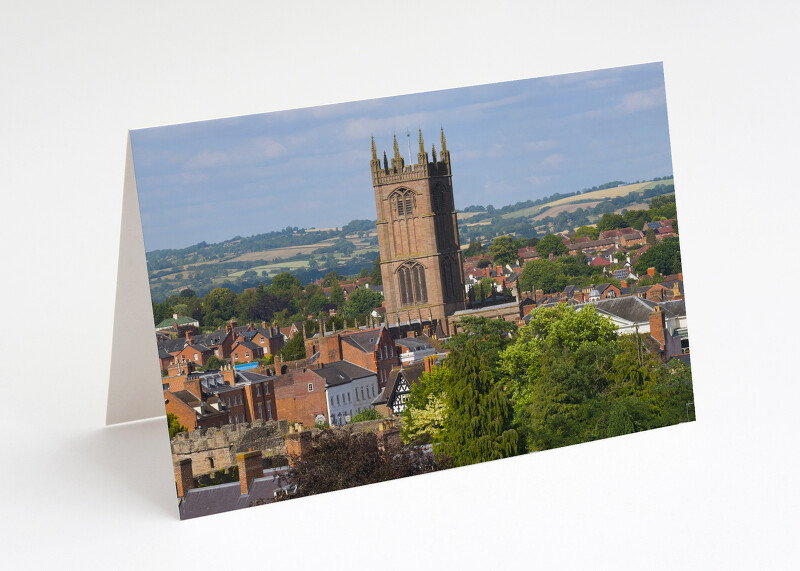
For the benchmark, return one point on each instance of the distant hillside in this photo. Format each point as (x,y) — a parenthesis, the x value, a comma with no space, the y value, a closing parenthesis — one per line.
(309,254)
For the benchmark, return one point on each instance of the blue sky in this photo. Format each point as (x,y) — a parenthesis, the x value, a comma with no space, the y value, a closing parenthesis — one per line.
(519,140)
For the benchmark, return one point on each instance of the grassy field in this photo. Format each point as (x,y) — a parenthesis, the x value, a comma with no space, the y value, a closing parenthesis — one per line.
(556,210)
(596,195)
(282,253)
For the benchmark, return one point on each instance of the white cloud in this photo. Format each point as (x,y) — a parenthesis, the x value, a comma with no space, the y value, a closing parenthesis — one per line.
(267,148)
(541,145)
(641,100)
(541,180)
(254,149)
(553,161)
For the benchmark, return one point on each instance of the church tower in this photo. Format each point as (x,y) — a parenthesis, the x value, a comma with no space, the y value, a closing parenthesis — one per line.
(421,264)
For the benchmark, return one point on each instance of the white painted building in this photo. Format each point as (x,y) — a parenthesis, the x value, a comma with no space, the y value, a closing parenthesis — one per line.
(349,389)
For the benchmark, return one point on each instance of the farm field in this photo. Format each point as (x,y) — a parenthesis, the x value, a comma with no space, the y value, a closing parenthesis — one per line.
(555,211)
(595,195)
(282,253)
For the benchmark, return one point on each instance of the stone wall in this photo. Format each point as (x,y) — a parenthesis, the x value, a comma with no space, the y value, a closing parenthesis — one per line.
(213,449)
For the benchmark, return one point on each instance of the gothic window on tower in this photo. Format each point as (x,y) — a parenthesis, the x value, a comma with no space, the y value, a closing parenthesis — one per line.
(403,202)
(411,284)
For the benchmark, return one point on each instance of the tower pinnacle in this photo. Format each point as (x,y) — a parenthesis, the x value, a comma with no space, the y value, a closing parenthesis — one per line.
(374,152)
(444,143)
(421,144)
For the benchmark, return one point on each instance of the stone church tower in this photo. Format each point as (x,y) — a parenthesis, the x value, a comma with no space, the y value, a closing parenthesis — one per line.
(421,264)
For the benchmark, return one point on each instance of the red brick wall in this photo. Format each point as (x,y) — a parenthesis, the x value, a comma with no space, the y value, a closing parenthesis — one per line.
(186,415)
(295,402)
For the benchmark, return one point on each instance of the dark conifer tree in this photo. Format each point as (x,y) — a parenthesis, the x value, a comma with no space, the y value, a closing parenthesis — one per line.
(477,427)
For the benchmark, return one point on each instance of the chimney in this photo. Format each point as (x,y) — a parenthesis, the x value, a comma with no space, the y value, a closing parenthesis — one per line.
(658,326)
(298,443)
(250,468)
(228,327)
(430,361)
(651,272)
(263,325)
(250,326)
(183,476)
(623,283)
(189,336)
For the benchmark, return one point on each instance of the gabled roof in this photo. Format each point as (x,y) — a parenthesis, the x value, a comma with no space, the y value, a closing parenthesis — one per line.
(227,497)
(249,344)
(413,343)
(364,340)
(173,321)
(173,345)
(411,373)
(631,308)
(341,372)
(212,339)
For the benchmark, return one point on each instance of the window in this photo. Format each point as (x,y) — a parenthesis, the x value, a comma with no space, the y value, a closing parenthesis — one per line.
(230,419)
(260,415)
(262,340)
(403,202)
(337,400)
(310,387)
(196,356)
(247,354)
(258,391)
(269,411)
(210,462)
(411,284)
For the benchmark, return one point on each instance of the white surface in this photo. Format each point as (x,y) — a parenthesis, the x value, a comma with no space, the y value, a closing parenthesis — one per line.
(720,493)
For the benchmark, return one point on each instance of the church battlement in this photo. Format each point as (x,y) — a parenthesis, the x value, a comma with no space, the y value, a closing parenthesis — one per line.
(398,171)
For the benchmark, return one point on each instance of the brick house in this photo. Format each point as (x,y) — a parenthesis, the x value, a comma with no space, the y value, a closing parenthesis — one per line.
(300,397)
(246,352)
(372,349)
(221,397)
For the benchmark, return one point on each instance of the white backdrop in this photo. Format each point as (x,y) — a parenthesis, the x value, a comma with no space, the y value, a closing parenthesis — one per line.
(719,493)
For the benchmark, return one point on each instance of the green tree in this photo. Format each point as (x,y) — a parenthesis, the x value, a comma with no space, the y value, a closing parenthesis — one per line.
(375,277)
(174,425)
(366,414)
(551,244)
(664,257)
(492,334)
(219,305)
(361,303)
(475,249)
(330,278)
(295,348)
(545,275)
(503,250)
(610,221)
(285,281)
(337,296)
(477,425)
(588,231)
